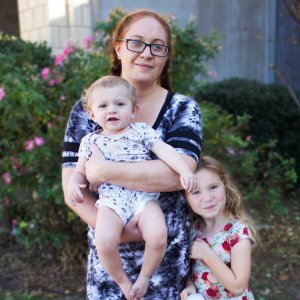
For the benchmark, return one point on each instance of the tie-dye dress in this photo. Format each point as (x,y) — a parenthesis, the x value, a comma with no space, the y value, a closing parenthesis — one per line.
(178,124)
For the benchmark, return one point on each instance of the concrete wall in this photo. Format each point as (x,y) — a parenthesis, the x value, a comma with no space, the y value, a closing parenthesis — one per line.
(181,9)
(248,30)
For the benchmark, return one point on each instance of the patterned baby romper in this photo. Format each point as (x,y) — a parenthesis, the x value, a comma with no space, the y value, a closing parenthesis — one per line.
(131,146)
(178,124)
(221,243)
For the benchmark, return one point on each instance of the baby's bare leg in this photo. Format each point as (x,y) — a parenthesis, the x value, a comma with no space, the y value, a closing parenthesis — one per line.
(153,227)
(107,236)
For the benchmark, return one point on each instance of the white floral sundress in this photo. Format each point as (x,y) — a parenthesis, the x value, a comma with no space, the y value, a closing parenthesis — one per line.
(221,243)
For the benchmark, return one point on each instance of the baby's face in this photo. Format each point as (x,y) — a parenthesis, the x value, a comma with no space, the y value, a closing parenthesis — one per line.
(112,109)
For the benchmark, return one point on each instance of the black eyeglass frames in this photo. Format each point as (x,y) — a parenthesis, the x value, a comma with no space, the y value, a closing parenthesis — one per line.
(139,46)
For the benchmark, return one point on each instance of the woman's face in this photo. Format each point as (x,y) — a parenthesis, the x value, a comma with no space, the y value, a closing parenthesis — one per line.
(142,68)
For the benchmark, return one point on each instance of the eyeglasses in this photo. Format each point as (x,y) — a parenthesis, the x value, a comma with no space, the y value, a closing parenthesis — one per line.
(139,46)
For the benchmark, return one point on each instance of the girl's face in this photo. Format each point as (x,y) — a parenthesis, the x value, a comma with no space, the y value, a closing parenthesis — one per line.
(209,201)
(143,68)
(111,109)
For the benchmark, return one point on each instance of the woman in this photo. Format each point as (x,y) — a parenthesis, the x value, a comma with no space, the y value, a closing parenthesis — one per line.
(140,53)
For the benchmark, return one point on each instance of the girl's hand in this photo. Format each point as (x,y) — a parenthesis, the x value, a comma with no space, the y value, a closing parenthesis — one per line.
(189,290)
(199,249)
(189,182)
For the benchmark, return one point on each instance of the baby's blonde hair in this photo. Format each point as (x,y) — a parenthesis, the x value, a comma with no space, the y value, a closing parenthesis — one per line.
(234,205)
(107,82)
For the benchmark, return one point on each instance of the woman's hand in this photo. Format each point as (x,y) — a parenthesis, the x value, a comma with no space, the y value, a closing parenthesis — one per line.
(131,232)
(199,249)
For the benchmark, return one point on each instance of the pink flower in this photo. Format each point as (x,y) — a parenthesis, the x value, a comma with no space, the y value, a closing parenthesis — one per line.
(15,163)
(29,145)
(62,98)
(212,74)
(6,201)
(49,124)
(59,60)
(7,178)
(38,141)
(67,50)
(2,93)
(88,42)
(231,151)
(51,82)
(58,79)
(14,222)
(248,138)
(17,166)
(45,73)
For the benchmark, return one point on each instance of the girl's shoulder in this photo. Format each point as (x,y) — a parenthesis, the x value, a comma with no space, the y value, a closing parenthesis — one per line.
(238,231)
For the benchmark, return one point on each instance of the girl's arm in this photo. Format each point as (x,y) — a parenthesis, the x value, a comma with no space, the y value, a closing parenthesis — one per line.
(147,176)
(234,278)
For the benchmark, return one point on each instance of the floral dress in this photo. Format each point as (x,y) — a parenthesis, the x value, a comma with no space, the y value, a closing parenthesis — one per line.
(178,124)
(221,243)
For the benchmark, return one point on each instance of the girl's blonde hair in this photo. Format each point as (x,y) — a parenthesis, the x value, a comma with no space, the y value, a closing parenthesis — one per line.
(234,205)
(107,82)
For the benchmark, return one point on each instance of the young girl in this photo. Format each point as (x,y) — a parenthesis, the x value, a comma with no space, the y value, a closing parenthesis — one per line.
(222,237)
(110,102)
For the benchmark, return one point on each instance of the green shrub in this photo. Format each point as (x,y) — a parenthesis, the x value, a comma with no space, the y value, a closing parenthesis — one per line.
(274,115)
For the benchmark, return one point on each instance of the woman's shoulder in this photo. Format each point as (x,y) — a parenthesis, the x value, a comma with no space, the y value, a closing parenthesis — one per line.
(92,136)
(181,98)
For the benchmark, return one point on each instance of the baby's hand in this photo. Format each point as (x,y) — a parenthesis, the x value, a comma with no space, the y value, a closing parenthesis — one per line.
(76,194)
(189,182)
(199,249)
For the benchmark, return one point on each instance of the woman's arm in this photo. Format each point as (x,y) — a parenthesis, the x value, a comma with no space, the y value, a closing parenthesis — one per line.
(147,176)
(236,278)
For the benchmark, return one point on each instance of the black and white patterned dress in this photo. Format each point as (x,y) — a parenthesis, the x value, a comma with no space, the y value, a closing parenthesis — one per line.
(178,124)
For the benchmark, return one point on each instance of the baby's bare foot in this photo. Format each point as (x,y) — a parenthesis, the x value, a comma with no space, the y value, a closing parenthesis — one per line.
(140,287)
(126,288)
